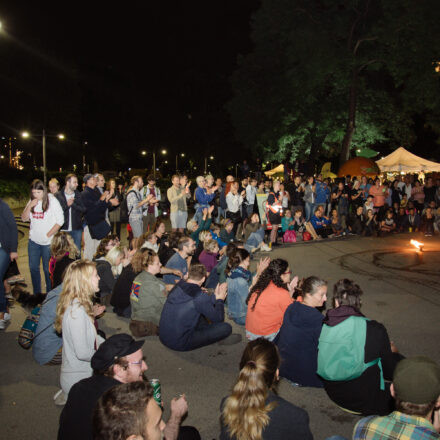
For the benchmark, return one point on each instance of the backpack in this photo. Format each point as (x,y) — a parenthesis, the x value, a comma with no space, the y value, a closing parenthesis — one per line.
(341,351)
(124,208)
(289,236)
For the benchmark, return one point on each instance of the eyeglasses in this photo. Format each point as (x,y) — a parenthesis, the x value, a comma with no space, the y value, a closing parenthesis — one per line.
(139,363)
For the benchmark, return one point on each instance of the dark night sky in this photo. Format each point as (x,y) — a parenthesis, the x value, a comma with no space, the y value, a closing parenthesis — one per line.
(124,78)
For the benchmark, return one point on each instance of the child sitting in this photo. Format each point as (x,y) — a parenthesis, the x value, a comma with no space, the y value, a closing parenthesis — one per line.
(227,234)
(370,228)
(194,228)
(413,220)
(401,220)
(254,235)
(208,257)
(150,242)
(427,223)
(336,223)
(369,204)
(215,232)
(388,224)
(288,227)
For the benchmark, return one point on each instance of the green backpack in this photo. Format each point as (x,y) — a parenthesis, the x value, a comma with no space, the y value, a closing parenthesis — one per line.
(341,351)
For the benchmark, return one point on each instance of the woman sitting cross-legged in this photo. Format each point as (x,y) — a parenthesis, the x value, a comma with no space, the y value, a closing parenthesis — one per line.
(299,334)
(268,299)
(239,281)
(253,411)
(64,252)
(254,235)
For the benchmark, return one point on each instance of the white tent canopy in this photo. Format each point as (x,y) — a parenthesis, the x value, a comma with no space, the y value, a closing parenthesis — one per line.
(403,160)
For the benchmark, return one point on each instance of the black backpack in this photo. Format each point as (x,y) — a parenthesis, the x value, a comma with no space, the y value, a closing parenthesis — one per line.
(124,208)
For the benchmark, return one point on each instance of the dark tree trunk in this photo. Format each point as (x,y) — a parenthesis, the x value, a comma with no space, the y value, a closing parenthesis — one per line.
(351,122)
(315,147)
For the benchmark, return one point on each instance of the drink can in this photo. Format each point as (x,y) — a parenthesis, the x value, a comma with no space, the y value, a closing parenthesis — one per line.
(410,229)
(157,394)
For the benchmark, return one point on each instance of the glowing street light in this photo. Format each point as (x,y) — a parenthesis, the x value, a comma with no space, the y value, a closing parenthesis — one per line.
(144,153)
(25,134)
(61,136)
(182,154)
(211,157)
(164,152)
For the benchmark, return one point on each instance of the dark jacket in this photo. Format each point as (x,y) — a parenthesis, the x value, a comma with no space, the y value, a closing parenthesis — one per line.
(298,344)
(8,228)
(107,280)
(185,305)
(287,421)
(122,288)
(76,417)
(363,394)
(77,209)
(95,208)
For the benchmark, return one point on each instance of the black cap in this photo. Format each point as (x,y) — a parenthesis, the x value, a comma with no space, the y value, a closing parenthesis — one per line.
(114,347)
(87,177)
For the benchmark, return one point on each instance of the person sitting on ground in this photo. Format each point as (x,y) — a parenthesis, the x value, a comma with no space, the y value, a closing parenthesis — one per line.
(370,227)
(208,257)
(321,224)
(109,268)
(416,391)
(150,242)
(64,252)
(254,235)
(268,300)
(204,236)
(427,223)
(180,260)
(170,247)
(254,411)
(387,225)
(401,220)
(194,228)
(288,227)
(356,221)
(184,323)
(75,315)
(130,412)
(118,360)
(365,394)
(240,280)
(215,232)
(413,220)
(299,334)
(147,297)
(336,223)
(227,233)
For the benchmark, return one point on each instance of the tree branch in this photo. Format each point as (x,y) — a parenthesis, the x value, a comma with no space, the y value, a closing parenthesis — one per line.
(362,40)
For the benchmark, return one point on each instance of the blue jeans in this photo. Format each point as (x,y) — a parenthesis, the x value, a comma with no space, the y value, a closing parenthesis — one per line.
(36,253)
(220,213)
(336,437)
(310,207)
(77,236)
(254,240)
(206,334)
(4,264)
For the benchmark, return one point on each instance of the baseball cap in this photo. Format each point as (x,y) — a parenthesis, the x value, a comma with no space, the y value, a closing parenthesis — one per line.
(417,380)
(87,177)
(114,347)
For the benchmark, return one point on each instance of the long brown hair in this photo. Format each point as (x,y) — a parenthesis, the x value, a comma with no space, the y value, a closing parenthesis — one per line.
(38,184)
(245,412)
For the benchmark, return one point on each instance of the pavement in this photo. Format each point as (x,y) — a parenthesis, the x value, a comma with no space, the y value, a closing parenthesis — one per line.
(401,290)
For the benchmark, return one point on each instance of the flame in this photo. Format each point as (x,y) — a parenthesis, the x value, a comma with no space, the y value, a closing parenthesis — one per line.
(416,244)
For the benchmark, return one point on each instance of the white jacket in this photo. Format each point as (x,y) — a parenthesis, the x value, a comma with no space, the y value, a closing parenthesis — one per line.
(43,222)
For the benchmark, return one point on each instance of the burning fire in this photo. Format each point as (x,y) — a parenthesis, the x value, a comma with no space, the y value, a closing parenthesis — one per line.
(417,244)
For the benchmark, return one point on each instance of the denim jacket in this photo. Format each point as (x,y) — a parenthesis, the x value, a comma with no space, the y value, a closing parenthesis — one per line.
(238,281)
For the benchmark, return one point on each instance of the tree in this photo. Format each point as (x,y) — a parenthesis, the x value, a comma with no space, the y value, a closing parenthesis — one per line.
(332,75)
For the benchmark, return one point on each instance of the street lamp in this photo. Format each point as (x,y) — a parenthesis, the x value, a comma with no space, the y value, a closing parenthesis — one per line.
(60,136)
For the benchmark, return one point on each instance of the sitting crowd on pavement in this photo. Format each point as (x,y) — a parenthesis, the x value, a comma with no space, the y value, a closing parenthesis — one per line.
(184,286)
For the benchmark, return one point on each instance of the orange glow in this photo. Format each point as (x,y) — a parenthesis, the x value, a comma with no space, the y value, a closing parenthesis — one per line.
(417,244)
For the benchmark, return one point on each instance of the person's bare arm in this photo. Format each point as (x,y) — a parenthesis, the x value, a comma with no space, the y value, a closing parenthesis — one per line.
(25,215)
(179,407)
(55,228)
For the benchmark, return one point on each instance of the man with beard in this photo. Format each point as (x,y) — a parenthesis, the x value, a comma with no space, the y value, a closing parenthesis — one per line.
(180,260)
(118,360)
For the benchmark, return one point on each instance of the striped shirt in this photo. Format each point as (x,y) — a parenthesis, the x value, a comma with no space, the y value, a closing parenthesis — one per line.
(396,426)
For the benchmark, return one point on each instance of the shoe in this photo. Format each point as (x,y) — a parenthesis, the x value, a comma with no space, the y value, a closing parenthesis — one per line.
(7,316)
(265,248)
(60,398)
(16,279)
(232,339)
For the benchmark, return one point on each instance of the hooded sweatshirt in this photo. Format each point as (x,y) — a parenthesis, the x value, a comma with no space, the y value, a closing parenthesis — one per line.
(298,344)
(184,306)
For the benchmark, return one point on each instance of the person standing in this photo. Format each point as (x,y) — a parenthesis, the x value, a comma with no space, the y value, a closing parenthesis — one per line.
(8,253)
(135,205)
(251,194)
(379,193)
(46,217)
(234,201)
(114,214)
(309,198)
(296,191)
(70,201)
(177,196)
(151,193)
(96,207)
(275,208)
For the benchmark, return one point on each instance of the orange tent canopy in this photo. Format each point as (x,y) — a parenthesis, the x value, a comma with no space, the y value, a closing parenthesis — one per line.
(359,166)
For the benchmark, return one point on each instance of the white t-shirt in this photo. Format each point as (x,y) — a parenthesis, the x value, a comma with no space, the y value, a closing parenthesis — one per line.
(43,222)
(68,197)
(251,192)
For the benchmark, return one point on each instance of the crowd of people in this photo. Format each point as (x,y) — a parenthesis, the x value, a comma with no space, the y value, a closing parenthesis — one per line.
(181,285)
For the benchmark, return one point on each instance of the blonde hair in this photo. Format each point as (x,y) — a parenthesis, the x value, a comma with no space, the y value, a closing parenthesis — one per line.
(210,245)
(190,225)
(63,243)
(245,413)
(205,235)
(77,284)
(199,180)
(112,255)
(53,180)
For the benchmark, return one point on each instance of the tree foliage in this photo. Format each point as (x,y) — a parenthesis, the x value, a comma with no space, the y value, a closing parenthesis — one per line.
(329,76)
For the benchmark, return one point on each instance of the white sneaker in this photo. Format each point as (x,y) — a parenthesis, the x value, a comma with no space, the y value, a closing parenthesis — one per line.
(7,316)
(60,398)
(265,248)
(3,324)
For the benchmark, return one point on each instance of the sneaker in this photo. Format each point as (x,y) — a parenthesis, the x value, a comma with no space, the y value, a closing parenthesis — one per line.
(16,279)
(232,339)
(265,248)
(3,324)
(7,316)
(60,398)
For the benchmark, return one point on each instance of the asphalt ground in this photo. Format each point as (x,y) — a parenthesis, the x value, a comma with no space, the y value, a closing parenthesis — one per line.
(400,290)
